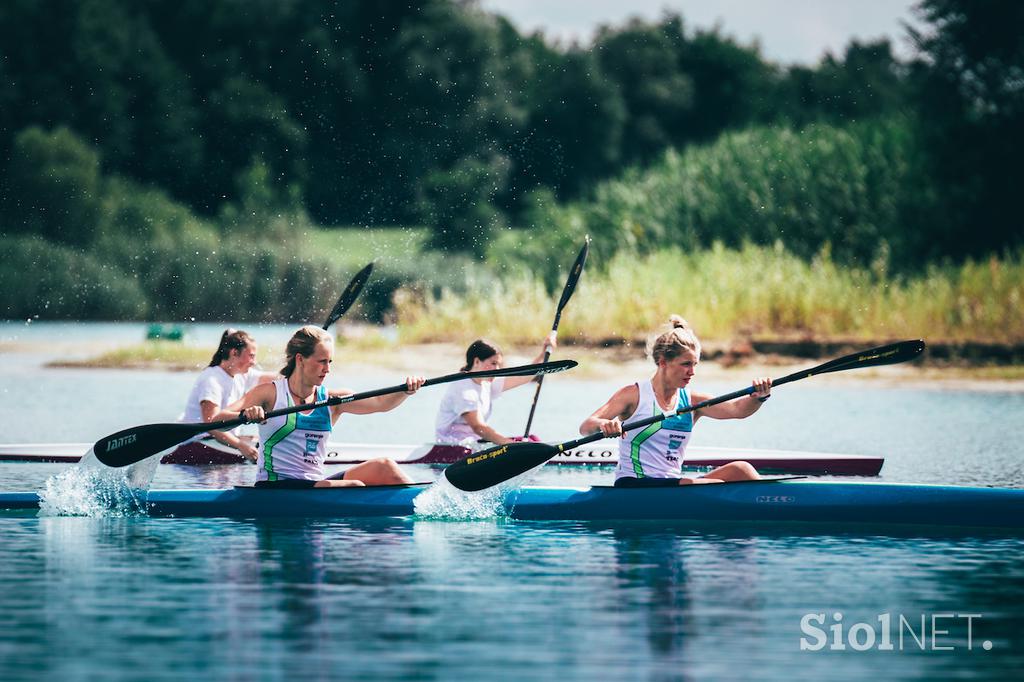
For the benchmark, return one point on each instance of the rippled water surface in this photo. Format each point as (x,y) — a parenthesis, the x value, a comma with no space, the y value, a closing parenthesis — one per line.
(139,598)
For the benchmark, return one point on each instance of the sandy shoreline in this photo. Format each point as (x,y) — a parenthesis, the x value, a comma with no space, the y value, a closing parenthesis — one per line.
(625,364)
(622,362)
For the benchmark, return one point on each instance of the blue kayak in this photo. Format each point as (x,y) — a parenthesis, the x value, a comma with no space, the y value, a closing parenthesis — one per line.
(785,501)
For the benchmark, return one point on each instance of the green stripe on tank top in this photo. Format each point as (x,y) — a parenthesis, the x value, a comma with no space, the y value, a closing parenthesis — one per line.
(268,447)
(638,440)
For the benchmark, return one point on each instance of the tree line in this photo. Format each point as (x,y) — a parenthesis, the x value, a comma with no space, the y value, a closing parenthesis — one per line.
(160,118)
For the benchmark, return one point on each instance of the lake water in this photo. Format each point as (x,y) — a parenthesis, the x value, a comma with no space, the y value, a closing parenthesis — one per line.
(138,598)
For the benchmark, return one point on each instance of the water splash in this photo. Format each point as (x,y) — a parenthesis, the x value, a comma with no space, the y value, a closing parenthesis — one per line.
(92,489)
(443,501)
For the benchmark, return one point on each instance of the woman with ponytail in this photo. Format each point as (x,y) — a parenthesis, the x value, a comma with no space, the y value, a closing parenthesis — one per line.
(466,405)
(228,377)
(293,447)
(654,456)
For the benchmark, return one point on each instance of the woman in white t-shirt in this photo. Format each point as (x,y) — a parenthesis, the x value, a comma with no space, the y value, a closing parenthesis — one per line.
(466,405)
(229,376)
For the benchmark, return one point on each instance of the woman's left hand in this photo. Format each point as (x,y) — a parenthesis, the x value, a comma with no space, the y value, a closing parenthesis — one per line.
(413,384)
(762,388)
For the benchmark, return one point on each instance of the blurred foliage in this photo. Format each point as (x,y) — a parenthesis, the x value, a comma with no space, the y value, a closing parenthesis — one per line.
(54,187)
(191,150)
(822,186)
(355,108)
(42,280)
(970,86)
(458,204)
(867,81)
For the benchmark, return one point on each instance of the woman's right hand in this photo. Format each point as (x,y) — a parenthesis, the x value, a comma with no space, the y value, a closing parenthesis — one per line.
(254,414)
(413,384)
(611,427)
(247,450)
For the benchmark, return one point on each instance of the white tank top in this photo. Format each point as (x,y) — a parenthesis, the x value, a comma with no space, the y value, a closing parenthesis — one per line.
(294,445)
(657,450)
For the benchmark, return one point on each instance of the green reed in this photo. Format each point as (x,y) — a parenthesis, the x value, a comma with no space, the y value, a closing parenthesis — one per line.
(726,293)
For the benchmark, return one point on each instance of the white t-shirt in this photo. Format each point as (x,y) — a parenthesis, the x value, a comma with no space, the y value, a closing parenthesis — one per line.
(218,387)
(461,397)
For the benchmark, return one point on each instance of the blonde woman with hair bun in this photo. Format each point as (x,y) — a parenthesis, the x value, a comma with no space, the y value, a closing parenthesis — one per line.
(653,457)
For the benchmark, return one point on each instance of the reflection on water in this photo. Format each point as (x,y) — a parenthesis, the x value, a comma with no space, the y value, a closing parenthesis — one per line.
(403,599)
(140,598)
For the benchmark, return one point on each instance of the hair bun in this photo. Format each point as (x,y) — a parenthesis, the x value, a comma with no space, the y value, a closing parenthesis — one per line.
(674,342)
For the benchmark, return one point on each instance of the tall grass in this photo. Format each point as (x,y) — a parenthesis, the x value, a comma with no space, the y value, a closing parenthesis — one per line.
(723,293)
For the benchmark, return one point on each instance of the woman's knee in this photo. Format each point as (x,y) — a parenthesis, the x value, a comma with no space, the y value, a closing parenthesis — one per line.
(742,471)
(734,471)
(384,465)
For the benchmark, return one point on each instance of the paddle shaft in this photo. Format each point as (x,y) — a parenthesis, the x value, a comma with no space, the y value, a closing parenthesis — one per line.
(640,423)
(567,292)
(869,358)
(495,465)
(536,395)
(135,444)
(340,400)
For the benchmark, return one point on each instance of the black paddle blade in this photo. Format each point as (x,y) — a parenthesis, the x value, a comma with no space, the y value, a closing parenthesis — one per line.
(551,367)
(495,465)
(139,442)
(573,278)
(874,357)
(349,296)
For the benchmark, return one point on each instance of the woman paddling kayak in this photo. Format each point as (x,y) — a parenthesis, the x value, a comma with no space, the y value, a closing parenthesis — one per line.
(293,446)
(653,456)
(466,405)
(229,376)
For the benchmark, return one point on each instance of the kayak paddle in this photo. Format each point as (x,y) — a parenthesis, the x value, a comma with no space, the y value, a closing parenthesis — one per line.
(349,296)
(570,287)
(137,443)
(498,464)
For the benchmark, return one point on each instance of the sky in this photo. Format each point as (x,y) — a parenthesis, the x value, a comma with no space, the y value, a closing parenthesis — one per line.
(789,31)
